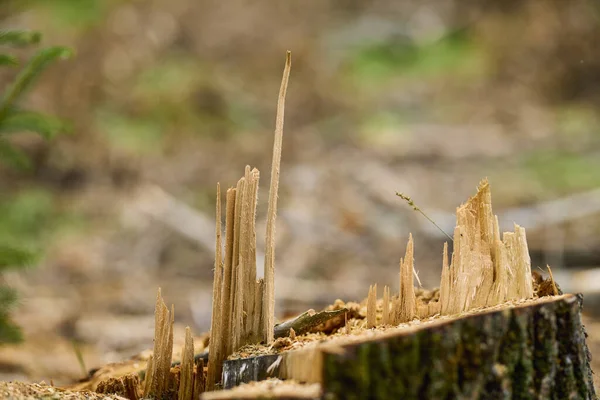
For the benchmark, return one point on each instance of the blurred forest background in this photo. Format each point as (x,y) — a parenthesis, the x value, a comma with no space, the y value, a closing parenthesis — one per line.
(168,97)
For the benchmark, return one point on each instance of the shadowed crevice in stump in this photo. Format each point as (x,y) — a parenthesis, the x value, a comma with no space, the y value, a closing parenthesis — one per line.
(244,370)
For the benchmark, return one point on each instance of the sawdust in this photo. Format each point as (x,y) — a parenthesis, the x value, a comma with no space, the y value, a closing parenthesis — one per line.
(270,388)
(30,391)
(356,328)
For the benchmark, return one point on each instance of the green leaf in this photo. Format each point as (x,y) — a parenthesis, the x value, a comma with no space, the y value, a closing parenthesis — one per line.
(9,332)
(8,60)
(46,126)
(29,73)
(15,257)
(8,298)
(13,156)
(20,38)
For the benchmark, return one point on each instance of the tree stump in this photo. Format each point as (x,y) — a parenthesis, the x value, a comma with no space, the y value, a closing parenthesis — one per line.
(533,350)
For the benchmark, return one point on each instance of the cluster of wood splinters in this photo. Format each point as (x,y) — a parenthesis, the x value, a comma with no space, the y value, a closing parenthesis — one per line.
(486,269)
(244,308)
(162,381)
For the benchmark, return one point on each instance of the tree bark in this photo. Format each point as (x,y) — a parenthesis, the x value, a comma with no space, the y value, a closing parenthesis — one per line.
(534,351)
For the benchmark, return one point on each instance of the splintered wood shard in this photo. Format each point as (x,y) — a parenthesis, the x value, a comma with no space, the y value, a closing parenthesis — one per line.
(372,307)
(216,328)
(168,356)
(237,286)
(125,386)
(241,299)
(257,324)
(159,366)
(385,319)
(249,253)
(243,308)
(149,376)
(186,377)
(486,270)
(394,320)
(522,263)
(199,378)
(227,299)
(269,269)
(407,310)
(244,266)
(445,282)
(255,299)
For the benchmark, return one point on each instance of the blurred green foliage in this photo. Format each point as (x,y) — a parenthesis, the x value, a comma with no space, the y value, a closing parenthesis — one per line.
(136,134)
(563,172)
(451,54)
(22,216)
(69,14)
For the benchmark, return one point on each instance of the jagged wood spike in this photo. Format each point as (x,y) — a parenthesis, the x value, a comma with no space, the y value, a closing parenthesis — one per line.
(555,291)
(162,360)
(149,376)
(486,270)
(216,326)
(257,324)
(163,348)
(239,193)
(524,278)
(482,284)
(409,299)
(372,307)
(394,318)
(131,383)
(255,299)
(386,306)
(168,350)
(509,241)
(186,377)
(249,278)
(158,327)
(269,268)
(227,297)
(445,281)
(124,386)
(199,378)
(244,256)
(346,327)
(408,308)
(397,312)
(238,286)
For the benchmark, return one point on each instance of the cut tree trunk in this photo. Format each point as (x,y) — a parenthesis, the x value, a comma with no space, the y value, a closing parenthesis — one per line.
(533,350)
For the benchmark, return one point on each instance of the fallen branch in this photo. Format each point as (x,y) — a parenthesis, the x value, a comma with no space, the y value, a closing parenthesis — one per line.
(306,322)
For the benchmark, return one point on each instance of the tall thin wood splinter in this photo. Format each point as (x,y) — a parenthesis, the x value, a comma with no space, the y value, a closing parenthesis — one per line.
(269,269)
(227,298)
(214,352)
